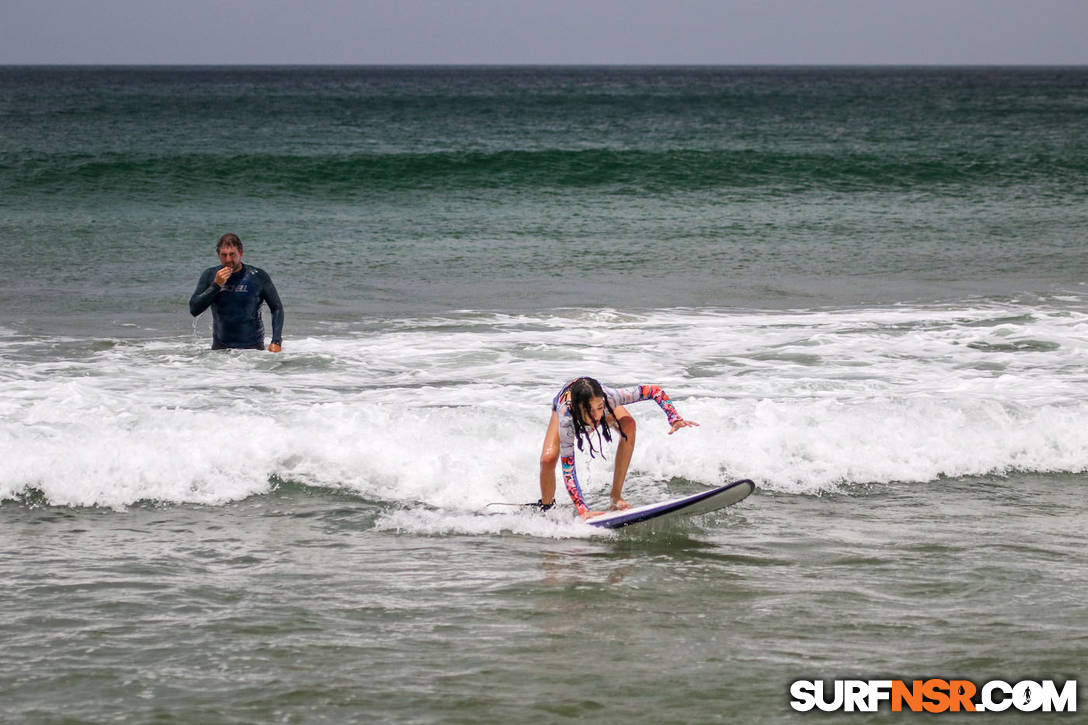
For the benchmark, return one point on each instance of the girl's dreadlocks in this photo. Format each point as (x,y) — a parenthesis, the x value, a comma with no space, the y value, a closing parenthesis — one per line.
(581,392)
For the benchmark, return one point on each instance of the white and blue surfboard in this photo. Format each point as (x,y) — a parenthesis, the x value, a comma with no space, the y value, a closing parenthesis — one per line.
(678,508)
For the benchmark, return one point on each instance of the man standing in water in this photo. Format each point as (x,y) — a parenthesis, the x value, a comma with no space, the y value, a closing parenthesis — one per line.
(235,292)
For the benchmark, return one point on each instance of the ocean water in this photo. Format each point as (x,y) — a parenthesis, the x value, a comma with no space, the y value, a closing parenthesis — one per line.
(866,284)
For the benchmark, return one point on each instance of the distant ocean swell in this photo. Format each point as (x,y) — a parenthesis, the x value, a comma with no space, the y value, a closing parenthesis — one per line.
(674,170)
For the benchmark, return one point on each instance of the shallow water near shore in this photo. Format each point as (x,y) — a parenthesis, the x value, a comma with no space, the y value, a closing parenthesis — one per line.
(311,605)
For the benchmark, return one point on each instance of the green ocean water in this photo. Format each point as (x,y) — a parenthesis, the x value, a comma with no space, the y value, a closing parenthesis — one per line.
(419,187)
(866,285)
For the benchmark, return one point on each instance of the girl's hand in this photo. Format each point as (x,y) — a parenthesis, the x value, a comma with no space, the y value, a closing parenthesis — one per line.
(681,423)
(618,504)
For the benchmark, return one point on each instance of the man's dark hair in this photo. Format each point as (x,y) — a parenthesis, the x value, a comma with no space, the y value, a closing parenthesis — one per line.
(229,240)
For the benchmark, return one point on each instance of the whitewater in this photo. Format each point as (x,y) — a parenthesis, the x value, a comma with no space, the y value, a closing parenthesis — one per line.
(448,411)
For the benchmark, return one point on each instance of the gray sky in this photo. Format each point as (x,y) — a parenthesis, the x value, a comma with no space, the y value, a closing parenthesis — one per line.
(545,31)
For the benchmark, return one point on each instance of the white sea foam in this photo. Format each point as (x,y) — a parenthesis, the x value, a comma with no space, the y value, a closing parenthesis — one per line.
(449,413)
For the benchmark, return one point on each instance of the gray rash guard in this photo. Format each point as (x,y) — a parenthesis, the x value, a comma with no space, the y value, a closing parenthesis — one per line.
(236,307)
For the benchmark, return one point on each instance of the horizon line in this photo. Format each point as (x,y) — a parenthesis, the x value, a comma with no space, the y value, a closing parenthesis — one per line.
(537,65)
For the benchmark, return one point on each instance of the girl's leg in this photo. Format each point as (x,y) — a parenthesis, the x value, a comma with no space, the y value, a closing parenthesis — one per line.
(549,456)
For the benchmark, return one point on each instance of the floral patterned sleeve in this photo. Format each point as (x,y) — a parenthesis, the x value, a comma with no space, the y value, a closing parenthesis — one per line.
(566,450)
(636,393)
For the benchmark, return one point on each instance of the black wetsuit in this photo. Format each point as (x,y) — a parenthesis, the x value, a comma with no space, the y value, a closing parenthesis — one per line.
(236,307)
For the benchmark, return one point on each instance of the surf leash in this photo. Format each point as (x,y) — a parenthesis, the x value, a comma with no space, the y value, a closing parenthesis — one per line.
(539,505)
